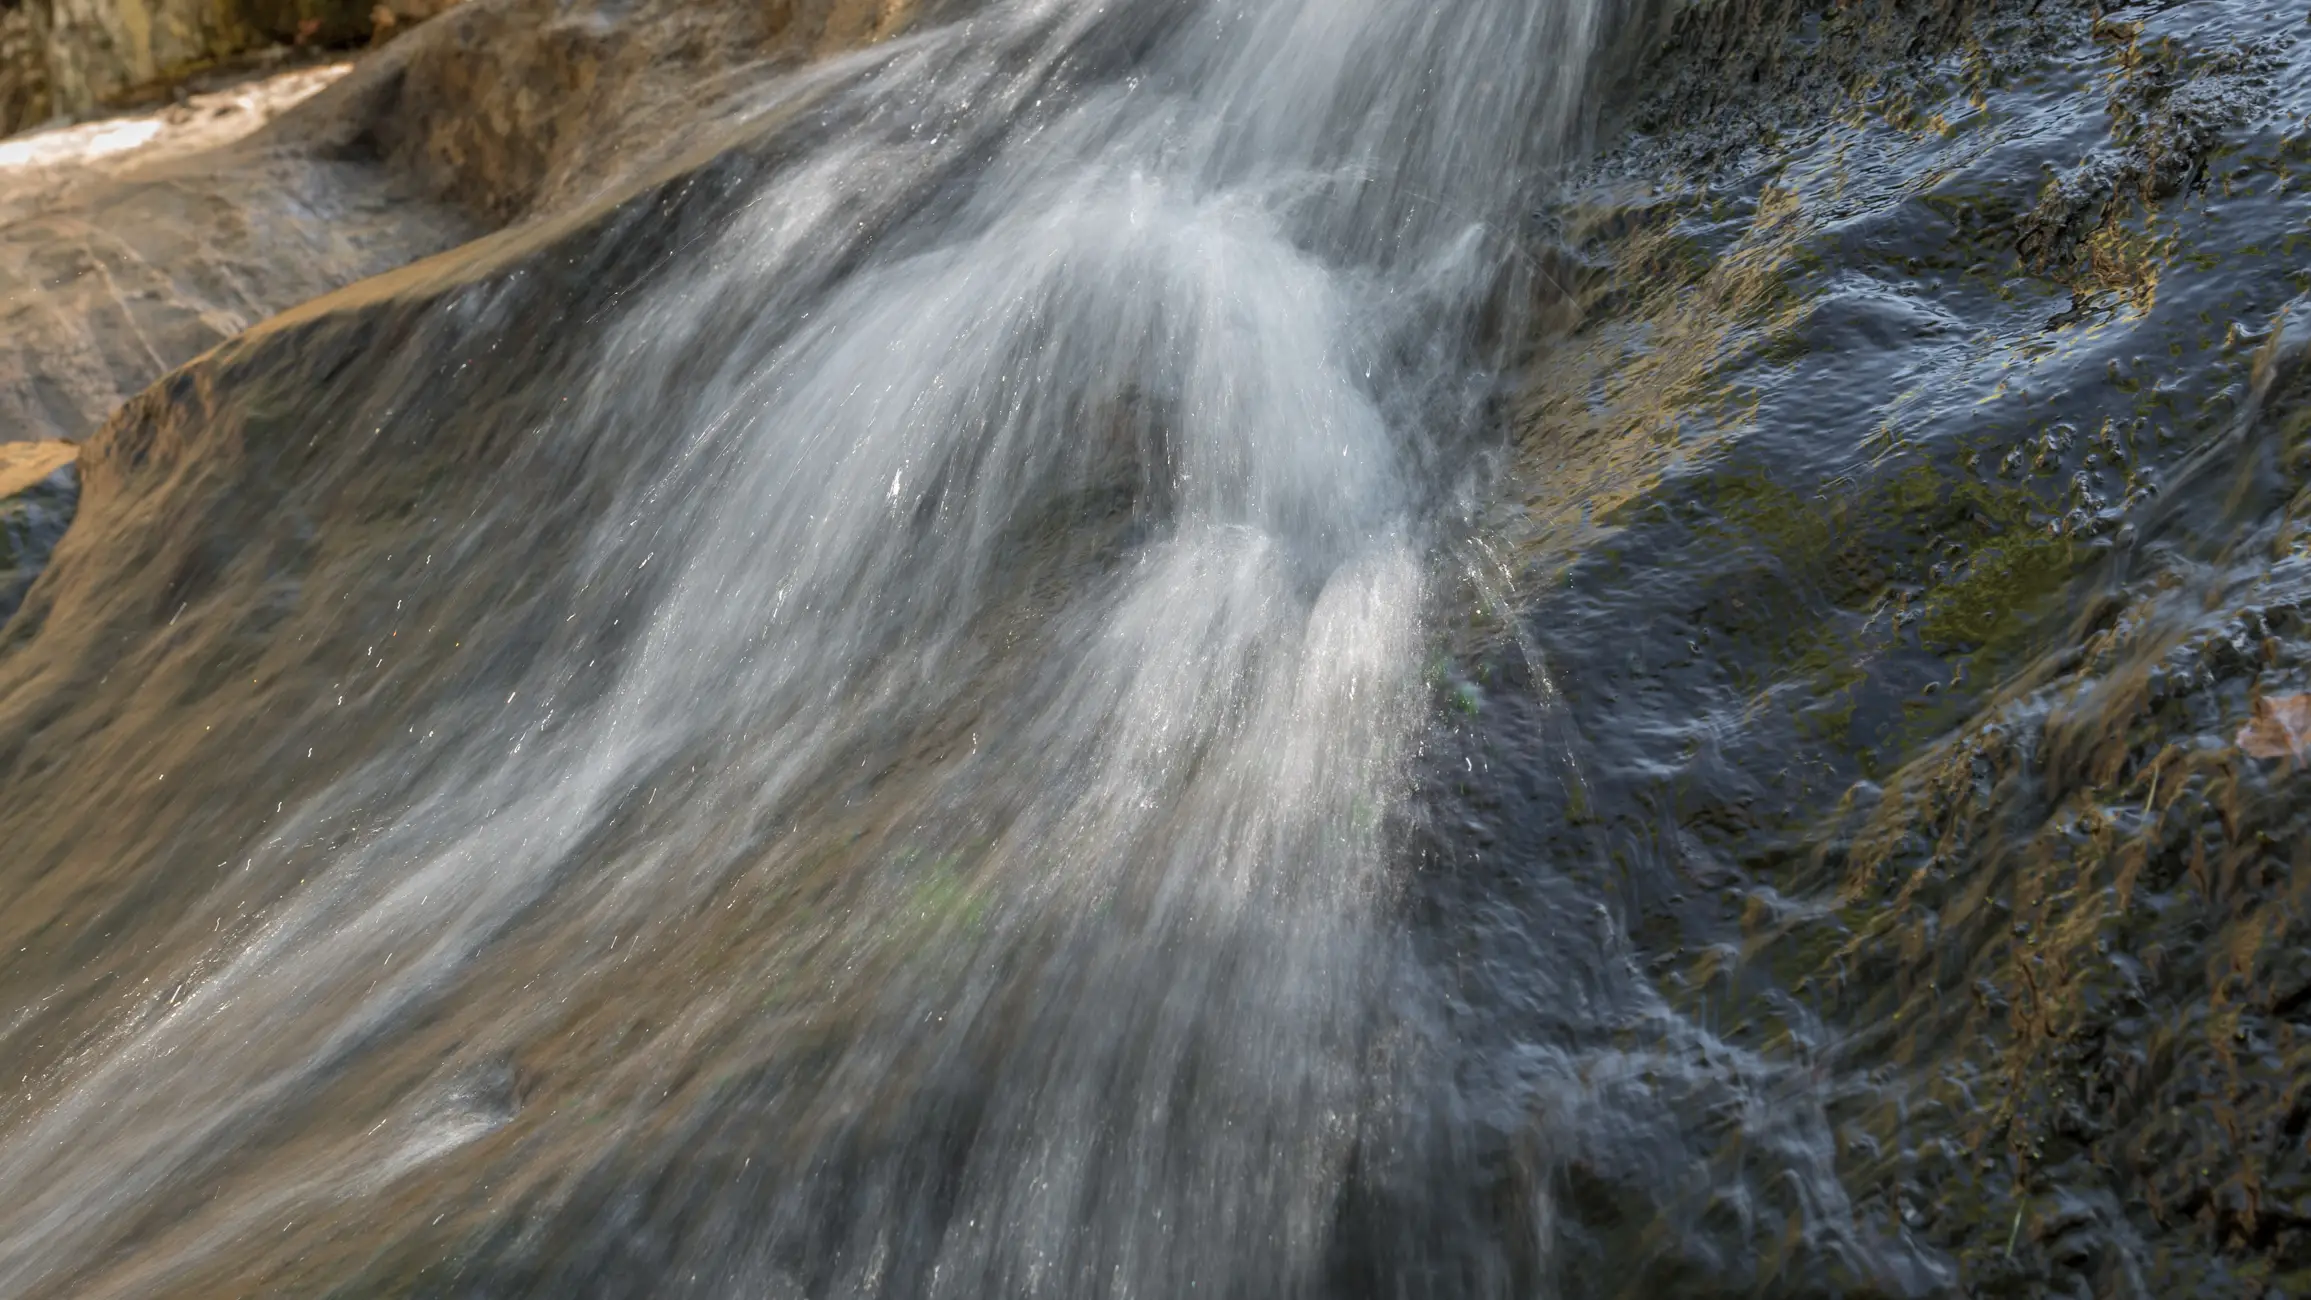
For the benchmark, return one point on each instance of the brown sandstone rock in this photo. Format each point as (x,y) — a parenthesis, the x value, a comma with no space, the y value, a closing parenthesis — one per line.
(130,246)
(512,106)
(24,95)
(103,52)
(114,272)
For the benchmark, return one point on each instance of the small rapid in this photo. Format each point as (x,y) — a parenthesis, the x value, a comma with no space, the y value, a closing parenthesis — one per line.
(973,729)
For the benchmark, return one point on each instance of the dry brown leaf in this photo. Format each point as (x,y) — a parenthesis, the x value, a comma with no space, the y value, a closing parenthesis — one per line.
(2281,728)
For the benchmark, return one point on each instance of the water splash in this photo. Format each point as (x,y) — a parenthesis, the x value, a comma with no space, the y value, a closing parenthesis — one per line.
(1009,584)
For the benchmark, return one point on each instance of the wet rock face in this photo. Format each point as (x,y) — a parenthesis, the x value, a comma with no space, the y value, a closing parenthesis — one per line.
(2169,118)
(1866,860)
(1911,547)
(2086,908)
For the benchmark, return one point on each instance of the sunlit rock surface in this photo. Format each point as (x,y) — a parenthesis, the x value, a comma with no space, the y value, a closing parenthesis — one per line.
(23,68)
(131,244)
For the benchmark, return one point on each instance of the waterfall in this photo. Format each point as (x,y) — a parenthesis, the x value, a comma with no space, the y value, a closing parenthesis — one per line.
(942,843)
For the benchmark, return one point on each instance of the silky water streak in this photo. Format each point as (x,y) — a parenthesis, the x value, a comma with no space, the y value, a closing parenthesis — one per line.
(942,845)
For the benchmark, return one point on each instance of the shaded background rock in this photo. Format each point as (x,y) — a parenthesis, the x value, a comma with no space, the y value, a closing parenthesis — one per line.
(72,58)
(105,52)
(24,92)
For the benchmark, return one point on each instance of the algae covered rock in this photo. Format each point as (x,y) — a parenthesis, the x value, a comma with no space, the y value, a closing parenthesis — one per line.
(1911,540)
(117,267)
(2086,910)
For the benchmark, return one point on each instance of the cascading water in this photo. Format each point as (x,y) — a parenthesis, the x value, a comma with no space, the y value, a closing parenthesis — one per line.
(940,843)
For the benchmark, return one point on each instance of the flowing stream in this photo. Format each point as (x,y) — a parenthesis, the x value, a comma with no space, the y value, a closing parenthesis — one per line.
(947,843)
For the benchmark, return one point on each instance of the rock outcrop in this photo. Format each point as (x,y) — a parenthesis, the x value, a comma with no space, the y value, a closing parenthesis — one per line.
(1915,530)
(116,268)
(500,110)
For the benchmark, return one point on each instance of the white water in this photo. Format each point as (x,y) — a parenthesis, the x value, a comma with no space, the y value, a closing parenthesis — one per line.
(1206,275)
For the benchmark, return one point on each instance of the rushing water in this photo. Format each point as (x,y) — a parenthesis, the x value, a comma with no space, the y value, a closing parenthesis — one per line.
(972,743)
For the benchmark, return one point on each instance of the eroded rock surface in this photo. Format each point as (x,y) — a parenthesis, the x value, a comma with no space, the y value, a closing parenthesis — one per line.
(130,246)
(522,105)
(119,266)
